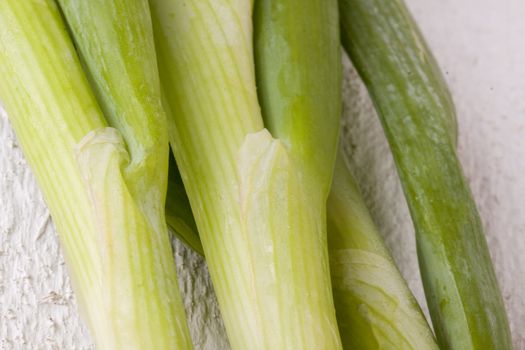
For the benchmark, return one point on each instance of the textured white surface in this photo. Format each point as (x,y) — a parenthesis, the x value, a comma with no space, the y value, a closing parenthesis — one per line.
(479,45)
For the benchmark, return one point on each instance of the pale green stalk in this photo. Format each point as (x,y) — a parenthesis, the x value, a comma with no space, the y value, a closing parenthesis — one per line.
(298,72)
(375,308)
(263,240)
(98,185)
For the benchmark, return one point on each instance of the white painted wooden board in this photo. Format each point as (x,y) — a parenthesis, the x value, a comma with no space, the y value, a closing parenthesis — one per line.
(480,46)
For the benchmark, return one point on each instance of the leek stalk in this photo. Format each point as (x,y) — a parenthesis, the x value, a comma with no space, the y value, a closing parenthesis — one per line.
(102,195)
(418,117)
(374,306)
(262,237)
(298,72)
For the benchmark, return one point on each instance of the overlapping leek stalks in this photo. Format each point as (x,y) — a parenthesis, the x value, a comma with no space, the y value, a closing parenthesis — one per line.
(298,72)
(262,230)
(104,185)
(375,309)
(374,306)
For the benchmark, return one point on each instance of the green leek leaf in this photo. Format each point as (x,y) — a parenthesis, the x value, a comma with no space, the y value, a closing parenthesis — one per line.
(418,117)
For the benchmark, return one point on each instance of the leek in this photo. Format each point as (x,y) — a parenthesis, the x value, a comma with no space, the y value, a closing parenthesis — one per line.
(105,195)
(375,308)
(298,71)
(418,117)
(263,239)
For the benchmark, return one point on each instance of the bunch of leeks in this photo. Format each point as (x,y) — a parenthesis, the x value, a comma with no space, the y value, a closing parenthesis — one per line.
(249,97)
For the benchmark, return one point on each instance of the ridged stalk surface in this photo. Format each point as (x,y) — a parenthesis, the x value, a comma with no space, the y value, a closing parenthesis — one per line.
(110,222)
(418,117)
(262,238)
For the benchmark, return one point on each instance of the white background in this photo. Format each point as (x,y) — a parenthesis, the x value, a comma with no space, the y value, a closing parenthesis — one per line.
(480,46)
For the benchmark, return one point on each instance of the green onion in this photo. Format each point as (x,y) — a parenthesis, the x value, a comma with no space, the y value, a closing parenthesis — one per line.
(374,306)
(418,117)
(298,72)
(375,309)
(261,230)
(105,193)
(373,303)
